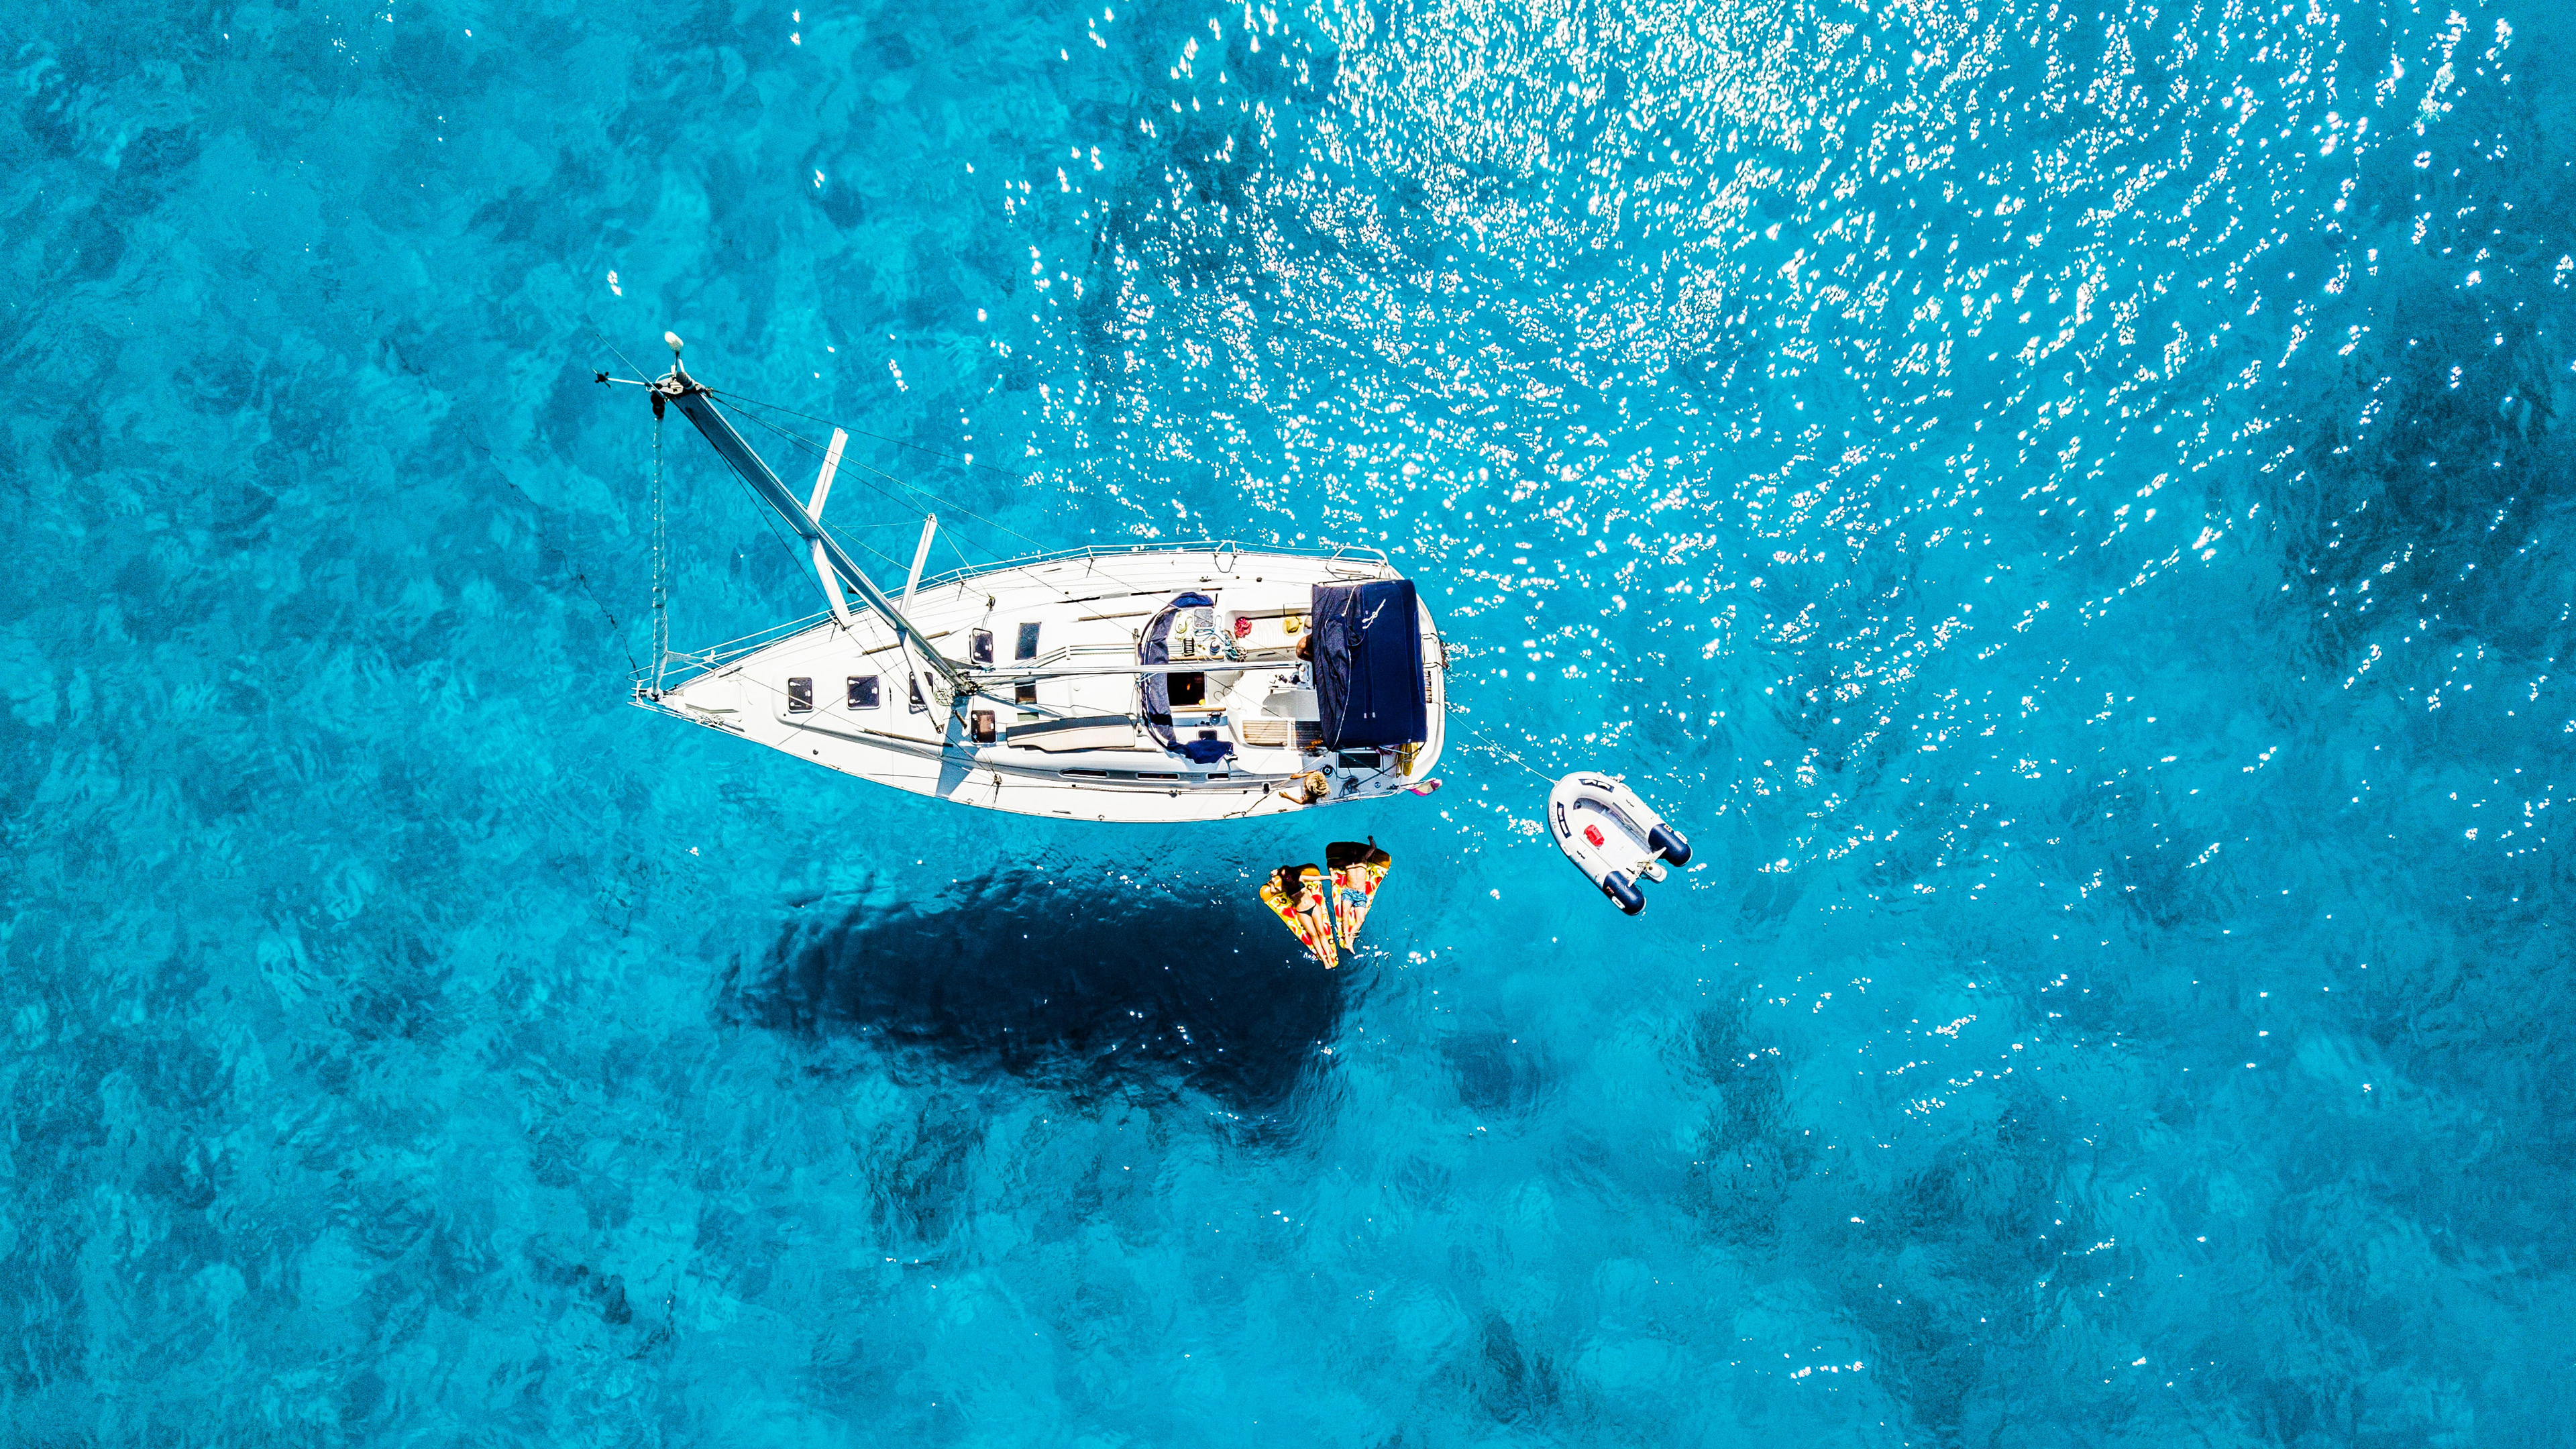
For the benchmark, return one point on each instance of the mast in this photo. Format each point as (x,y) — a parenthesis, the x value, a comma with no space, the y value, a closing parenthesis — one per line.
(696,404)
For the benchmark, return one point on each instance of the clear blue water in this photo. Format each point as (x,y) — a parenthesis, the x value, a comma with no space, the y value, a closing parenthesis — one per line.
(2065,503)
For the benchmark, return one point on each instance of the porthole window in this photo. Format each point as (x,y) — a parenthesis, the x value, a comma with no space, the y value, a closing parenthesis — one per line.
(800,696)
(979,646)
(1025,692)
(1028,645)
(918,706)
(863,691)
(980,724)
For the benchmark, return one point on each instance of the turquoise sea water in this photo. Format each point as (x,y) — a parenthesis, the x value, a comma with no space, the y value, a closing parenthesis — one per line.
(2063,502)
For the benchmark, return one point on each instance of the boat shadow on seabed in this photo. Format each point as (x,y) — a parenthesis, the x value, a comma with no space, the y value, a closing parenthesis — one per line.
(1069,986)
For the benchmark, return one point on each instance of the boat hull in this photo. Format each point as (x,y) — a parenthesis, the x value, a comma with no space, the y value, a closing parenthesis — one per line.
(1070,744)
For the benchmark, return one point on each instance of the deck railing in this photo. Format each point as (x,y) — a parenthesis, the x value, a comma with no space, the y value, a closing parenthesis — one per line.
(678,669)
(1201,545)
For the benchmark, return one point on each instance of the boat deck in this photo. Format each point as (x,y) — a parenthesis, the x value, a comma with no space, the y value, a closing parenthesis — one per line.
(1070,745)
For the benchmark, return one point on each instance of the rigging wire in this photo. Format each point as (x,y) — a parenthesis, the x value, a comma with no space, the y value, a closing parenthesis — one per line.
(819,451)
(621,356)
(962,462)
(768,519)
(947,504)
(661,536)
(951,505)
(739,402)
(802,559)
(740,405)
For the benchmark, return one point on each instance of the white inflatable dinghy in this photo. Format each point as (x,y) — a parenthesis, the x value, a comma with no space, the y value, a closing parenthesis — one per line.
(1613,836)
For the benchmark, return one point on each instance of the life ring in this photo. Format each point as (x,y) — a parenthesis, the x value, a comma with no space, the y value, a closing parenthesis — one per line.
(1614,838)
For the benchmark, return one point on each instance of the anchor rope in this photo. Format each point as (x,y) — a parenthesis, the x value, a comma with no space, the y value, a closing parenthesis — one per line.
(1483,737)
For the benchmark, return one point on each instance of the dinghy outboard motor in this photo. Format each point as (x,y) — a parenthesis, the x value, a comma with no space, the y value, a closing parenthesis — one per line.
(1613,836)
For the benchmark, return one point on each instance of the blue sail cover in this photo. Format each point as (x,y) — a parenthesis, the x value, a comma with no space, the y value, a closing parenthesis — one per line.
(1368,664)
(1156,648)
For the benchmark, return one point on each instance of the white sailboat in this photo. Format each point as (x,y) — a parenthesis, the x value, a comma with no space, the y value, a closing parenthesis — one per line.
(1150,683)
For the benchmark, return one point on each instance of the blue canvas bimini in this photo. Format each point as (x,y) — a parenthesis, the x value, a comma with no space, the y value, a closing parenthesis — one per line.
(1368,664)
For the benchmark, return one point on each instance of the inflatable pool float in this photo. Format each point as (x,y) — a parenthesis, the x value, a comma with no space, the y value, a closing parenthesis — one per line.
(1612,836)
(1301,897)
(1357,869)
